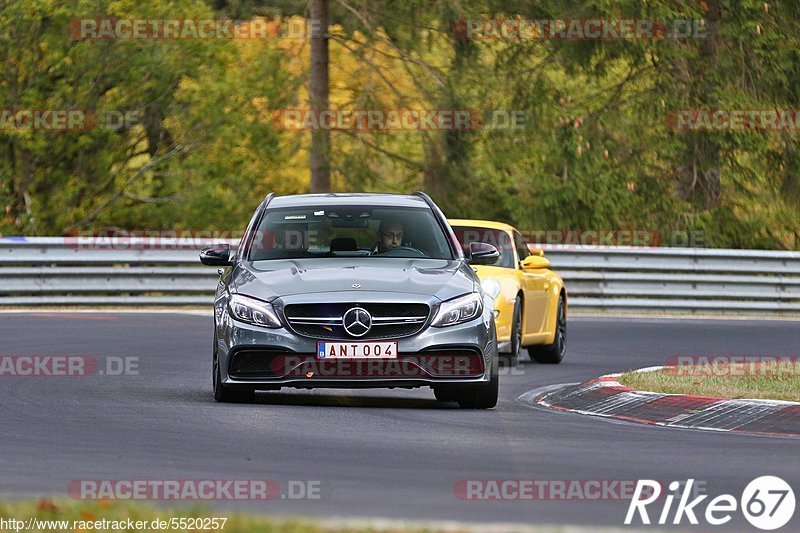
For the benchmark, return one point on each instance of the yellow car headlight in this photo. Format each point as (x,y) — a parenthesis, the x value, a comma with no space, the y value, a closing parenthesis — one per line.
(491,287)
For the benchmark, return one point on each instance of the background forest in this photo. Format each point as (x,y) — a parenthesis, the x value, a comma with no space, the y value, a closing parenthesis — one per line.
(597,150)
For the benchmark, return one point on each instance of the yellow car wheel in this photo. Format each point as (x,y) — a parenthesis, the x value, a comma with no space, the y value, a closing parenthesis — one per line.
(516,333)
(552,354)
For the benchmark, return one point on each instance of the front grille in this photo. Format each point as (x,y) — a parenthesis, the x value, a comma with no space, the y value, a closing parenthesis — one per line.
(389,320)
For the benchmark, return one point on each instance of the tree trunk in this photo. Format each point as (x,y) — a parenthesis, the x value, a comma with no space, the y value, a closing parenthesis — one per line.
(709,52)
(318,95)
(448,177)
(435,170)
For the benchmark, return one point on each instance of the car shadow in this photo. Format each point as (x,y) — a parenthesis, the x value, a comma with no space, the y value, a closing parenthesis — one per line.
(336,400)
(306,398)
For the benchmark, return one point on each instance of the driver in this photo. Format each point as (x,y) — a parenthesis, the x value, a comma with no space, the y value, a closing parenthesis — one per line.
(292,237)
(390,236)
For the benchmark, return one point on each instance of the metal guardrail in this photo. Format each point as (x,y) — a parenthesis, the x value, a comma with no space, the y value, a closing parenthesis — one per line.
(52,271)
(56,271)
(680,280)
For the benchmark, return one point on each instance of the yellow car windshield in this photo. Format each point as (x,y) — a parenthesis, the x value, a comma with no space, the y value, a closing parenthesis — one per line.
(497,238)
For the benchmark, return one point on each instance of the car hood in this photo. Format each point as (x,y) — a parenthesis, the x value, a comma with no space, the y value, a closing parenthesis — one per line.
(443,279)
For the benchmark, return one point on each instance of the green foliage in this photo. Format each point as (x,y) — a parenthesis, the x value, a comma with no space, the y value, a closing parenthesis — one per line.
(596,150)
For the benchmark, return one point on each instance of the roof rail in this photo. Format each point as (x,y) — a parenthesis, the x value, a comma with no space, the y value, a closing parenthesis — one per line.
(425,197)
(268,198)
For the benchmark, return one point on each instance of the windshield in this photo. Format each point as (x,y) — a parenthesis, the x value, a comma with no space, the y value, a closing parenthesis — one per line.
(349,231)
(497,238)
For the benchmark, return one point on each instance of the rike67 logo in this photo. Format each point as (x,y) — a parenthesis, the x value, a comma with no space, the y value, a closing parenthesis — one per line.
(767,503)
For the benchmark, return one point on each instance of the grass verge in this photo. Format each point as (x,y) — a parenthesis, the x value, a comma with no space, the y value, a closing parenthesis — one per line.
(777,380)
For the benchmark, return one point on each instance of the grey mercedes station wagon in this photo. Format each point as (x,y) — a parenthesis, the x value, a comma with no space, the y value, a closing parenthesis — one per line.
(352,291)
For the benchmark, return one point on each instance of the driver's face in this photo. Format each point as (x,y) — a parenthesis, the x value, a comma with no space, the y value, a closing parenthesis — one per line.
(391,237)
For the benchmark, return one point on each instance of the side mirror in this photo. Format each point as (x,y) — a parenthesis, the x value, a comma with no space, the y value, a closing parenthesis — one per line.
(481,253)
(537,251)
(534,262)
(219,255)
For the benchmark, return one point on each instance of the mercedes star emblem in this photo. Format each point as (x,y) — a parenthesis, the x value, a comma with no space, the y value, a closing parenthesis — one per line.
(357,322)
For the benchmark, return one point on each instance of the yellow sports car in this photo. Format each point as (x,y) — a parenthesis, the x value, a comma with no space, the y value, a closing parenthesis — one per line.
(530,300)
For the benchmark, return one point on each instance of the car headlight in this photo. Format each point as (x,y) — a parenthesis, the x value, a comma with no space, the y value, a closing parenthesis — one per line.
(458,310)
(491,287)
(253,311)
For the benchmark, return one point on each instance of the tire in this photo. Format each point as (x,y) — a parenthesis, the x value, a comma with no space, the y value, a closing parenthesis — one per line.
(444,394)
(516,334)
(483,396)
(228,394)
(552,354)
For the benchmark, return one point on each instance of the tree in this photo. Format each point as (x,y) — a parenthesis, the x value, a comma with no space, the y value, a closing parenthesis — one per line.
(319,159)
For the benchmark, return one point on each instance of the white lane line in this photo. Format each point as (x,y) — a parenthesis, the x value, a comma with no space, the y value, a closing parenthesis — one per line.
(621,402)
(588,388)
(743,411)
(730,414)
(529,398)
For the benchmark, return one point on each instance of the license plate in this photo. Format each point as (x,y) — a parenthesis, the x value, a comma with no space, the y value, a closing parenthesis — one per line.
(356,350)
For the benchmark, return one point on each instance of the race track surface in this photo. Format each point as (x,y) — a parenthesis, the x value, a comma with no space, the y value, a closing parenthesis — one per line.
(376,453)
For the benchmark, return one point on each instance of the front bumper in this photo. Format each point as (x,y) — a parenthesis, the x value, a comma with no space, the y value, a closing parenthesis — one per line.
(504,308)
(268,359)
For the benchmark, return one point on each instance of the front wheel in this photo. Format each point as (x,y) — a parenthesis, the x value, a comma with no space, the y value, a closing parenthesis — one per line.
(552,354)
(444,394)
(483,396)
(228,394)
